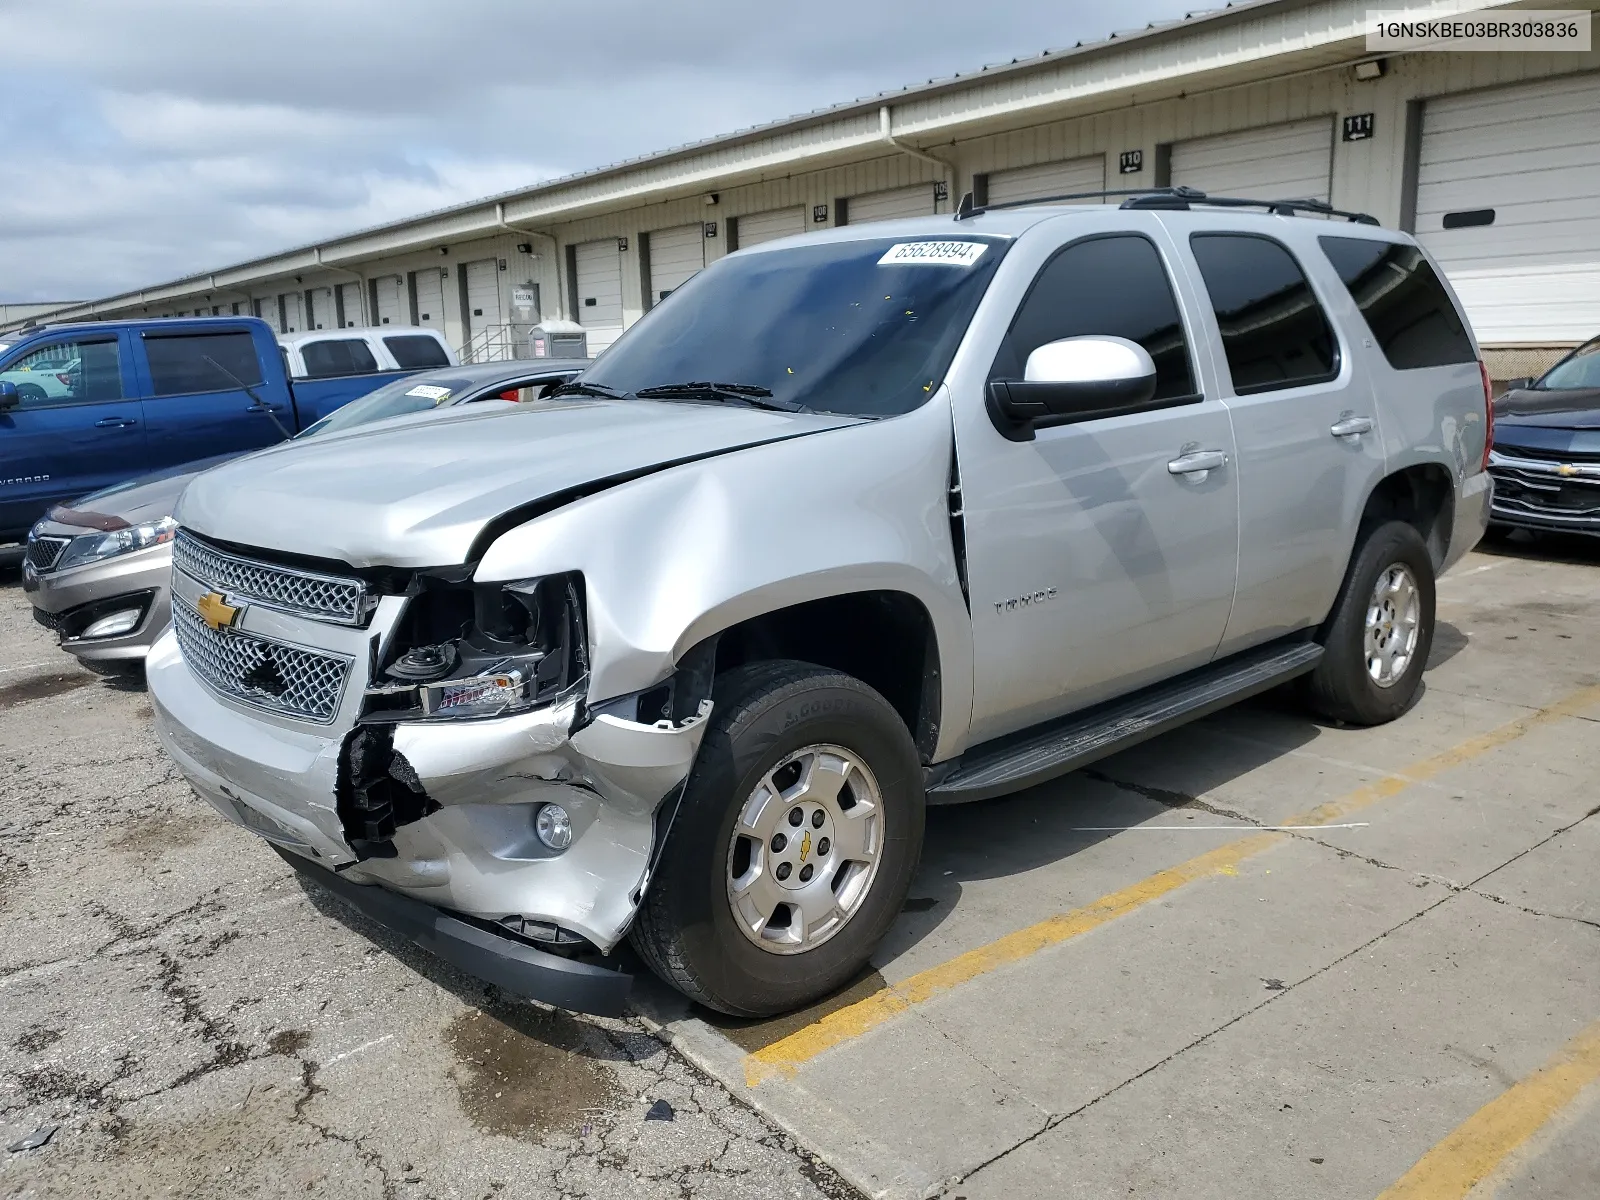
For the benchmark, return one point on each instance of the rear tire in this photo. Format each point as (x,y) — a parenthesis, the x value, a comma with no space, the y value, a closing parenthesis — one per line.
(1379,634)
(701,926)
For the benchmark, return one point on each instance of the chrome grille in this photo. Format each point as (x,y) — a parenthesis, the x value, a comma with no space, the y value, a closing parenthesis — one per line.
(305,593)
(45,552)
(253,669)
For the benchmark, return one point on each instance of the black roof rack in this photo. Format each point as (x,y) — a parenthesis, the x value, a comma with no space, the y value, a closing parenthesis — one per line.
(1173,198)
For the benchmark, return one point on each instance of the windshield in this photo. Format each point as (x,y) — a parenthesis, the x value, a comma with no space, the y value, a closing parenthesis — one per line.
(865,328)
(394,399)
(1580,370)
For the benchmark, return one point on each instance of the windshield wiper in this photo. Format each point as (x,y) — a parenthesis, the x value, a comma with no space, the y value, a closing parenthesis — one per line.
(738,393)
(578,387)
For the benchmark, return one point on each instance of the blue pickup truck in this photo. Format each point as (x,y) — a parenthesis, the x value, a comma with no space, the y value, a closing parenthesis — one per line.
(83,407)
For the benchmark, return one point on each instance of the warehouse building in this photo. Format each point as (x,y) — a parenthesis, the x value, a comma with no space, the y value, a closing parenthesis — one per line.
(1492,159)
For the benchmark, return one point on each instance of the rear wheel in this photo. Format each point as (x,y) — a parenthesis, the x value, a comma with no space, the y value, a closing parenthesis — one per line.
(1377,639)
(794,845)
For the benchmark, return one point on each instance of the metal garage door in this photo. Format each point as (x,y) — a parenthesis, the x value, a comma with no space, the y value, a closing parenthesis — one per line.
(914,201)
(675,255)
(393,308)
(1279,162)
(430,297)
(1048,179)
(320,314)
(350,304)
(483,295)
(769,226)
(289,318)
(1516,171)
(599,280)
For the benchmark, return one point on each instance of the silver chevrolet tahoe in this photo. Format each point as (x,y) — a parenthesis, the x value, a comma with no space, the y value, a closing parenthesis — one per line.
(884,516)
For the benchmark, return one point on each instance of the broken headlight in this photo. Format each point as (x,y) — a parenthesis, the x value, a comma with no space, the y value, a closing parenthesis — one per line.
(467,649)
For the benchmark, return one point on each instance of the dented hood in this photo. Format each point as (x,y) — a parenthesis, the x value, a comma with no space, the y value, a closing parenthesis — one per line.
(417,492)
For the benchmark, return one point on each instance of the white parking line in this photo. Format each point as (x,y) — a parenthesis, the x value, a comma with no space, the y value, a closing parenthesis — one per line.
(361,1049)
(27,667)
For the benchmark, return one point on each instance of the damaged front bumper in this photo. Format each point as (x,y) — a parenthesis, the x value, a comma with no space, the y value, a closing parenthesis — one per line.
(470,879)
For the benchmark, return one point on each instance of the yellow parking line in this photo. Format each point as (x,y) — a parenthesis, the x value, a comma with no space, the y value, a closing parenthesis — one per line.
(1484,1140)
(788,1053)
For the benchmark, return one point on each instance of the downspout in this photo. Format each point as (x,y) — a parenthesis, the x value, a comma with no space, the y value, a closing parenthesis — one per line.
(886,134)
(555,253)
(366,319)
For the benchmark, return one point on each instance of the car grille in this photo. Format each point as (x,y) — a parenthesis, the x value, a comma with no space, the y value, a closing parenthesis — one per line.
(45,552)
(269,675)
(305,593)
(1541,492)
(54,622)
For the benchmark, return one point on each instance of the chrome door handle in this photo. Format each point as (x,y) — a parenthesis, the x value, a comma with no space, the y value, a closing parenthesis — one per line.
(1350,425)
(115,423)
(1197,462)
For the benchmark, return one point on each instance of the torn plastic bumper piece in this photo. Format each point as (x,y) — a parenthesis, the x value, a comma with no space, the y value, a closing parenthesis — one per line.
(507,962)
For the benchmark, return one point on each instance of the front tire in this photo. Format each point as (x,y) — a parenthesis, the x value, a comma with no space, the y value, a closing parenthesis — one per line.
(753,912)
(1377,639)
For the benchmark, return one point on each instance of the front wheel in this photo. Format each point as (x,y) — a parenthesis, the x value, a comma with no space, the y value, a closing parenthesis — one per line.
(793,847)
(1377,639)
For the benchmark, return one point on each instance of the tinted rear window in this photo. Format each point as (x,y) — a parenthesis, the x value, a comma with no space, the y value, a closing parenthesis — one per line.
(1274,332)
(1406,307)
(201,362)
(338,356)
(414,351)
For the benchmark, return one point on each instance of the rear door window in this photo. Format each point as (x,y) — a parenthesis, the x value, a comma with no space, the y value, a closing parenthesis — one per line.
(337,356)
(1274,332)
(185,363)
(1113,286)
(1406,307)
(67,373)
(415,351)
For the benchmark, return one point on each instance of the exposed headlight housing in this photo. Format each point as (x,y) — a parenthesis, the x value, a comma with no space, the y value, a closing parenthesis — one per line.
(92,547)
(467,649)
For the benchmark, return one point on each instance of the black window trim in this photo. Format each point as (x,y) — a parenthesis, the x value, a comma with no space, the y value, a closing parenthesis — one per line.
(67,339)
(1256,389)
(169,334)
(1153,405)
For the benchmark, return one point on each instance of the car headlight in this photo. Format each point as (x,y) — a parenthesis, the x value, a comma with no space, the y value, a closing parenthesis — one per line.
(465,649)
(92,547)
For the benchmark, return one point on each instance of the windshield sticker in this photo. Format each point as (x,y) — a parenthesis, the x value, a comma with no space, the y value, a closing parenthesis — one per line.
(950,254)
(429,391)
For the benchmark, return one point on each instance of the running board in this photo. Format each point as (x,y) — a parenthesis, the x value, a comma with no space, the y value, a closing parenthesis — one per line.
(1118,724)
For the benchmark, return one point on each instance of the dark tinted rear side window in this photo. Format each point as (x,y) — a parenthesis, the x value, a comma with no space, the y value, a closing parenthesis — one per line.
(1274,332)
(338,356)
(413,351)
(1109,285)
(179,362)
(1406,307)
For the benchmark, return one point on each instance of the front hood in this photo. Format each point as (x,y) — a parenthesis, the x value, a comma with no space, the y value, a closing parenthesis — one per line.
(148,498)
(1546,423)
(418,494)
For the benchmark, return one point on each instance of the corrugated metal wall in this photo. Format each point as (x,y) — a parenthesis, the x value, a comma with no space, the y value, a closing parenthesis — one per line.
(1020,131)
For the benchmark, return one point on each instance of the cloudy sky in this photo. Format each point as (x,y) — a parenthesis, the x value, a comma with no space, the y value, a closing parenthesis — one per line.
(146,140)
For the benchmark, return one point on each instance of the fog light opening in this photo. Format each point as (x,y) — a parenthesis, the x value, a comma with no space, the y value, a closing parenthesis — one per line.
(553,826)
(125,621)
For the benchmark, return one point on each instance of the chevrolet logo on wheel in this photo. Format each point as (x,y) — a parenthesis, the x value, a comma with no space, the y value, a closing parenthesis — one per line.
(216,612)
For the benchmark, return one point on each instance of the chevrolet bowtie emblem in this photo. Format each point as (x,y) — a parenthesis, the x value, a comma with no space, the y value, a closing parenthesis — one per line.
(216,611)
(1566,469)
(805,846)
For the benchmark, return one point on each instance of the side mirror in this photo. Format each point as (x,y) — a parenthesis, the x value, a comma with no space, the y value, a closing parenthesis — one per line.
(1071,380)
(9,397)
(1516,385)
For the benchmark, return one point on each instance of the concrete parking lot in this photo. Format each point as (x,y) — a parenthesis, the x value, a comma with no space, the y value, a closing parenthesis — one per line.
(1256,958)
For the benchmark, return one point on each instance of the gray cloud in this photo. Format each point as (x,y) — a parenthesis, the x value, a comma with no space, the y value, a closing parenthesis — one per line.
(148,140)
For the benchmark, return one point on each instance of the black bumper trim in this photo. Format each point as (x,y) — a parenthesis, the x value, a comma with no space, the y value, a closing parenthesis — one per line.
(509,963)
